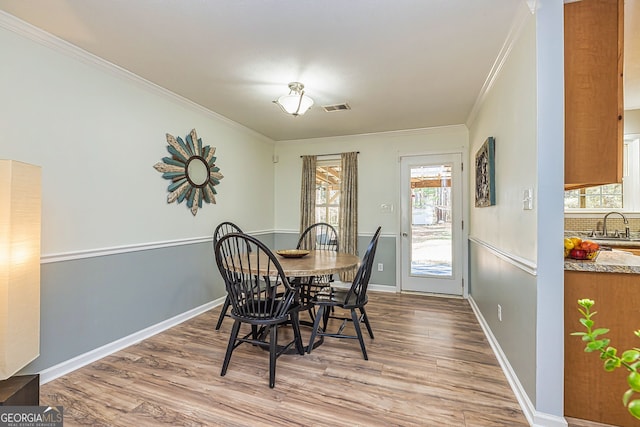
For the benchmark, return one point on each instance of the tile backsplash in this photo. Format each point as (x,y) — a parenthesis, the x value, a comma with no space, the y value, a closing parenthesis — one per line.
(588,224)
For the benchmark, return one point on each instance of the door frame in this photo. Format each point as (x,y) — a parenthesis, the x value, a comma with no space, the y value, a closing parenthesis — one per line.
(464,154)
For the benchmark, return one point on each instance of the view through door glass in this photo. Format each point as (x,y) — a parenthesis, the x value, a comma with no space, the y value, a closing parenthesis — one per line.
(431,249)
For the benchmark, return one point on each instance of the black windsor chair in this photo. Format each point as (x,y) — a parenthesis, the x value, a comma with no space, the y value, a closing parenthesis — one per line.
(251,274)
(221,230)
(349,299)
(321,237)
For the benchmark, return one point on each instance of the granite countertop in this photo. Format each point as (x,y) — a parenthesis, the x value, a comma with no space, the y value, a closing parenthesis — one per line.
(614,261)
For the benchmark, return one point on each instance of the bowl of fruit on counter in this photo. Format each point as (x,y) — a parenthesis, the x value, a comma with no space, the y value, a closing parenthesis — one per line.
(576,248)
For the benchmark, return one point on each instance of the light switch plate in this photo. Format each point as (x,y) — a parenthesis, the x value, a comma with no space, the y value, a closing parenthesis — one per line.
(527,199)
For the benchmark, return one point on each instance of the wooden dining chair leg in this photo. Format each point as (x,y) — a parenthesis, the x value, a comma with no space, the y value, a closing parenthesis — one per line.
(365,319)
(356,326)
(316,326)
(223,313)
(230,347)
(273,348)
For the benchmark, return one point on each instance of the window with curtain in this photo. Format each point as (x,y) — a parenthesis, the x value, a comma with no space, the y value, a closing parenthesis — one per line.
(328,178)
(329,193)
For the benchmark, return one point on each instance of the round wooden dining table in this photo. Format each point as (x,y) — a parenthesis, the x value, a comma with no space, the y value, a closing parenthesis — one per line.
(318,263)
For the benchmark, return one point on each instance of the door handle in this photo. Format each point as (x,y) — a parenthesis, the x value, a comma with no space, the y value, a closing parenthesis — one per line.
(404,234)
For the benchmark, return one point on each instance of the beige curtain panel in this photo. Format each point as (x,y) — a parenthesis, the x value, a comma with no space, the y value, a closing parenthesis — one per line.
(349,209)
(308,192)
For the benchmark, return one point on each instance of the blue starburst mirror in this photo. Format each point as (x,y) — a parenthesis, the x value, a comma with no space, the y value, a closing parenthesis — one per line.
(191,170)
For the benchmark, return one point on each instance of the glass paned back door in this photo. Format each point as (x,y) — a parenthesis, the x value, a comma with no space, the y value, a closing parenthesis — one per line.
(431,224)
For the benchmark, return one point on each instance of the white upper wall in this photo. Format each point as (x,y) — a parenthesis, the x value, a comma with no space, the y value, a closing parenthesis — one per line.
(510,119)
(632,122)
(97,132)
(378,171)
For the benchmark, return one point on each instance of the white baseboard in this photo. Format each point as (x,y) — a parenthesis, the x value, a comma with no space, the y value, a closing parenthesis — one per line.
(535,418)
(382,288)
(371,287)
(77,362)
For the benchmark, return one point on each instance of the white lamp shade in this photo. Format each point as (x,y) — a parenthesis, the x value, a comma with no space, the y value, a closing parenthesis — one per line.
(20,217)
(295,104)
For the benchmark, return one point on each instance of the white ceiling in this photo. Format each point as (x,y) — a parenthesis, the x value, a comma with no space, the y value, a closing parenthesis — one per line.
(400,64)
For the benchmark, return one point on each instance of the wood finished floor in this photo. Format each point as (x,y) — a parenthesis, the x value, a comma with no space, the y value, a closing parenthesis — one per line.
(429,365)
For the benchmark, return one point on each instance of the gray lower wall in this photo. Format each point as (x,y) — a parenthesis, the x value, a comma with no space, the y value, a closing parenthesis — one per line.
(493,281)
(87,303)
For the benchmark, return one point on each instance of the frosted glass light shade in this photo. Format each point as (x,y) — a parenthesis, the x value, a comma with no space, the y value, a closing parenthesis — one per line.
(20,218)
(296,102)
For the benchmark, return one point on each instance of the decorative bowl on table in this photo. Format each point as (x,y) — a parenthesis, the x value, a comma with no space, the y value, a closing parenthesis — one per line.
(293,253)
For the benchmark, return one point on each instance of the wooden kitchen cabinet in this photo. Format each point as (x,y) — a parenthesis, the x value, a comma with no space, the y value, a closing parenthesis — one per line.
(591,393)
(593,52)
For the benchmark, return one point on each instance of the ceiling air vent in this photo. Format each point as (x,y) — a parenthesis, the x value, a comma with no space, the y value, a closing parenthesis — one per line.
(336,107)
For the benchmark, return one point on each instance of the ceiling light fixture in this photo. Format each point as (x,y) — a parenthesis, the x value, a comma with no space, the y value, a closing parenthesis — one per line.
(296,102)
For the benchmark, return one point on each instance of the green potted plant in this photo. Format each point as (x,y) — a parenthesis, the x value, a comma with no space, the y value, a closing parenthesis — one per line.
(630,359)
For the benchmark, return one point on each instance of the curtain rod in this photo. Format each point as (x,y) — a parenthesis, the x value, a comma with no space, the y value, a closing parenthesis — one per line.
(330,154)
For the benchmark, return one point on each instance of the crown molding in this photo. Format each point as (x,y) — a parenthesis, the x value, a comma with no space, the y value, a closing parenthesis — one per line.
(401,132)
(521,18)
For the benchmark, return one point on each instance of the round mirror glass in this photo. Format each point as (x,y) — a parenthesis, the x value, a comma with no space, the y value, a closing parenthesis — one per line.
(197,171)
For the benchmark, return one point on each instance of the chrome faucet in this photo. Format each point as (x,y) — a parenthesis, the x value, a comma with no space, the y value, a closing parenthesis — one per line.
(604,225)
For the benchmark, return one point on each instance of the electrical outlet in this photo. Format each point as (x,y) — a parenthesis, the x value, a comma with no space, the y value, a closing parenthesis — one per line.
(380,266)
(499,312)
(386,208)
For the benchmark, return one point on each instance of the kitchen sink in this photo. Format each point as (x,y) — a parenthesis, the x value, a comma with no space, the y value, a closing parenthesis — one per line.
(614,239)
